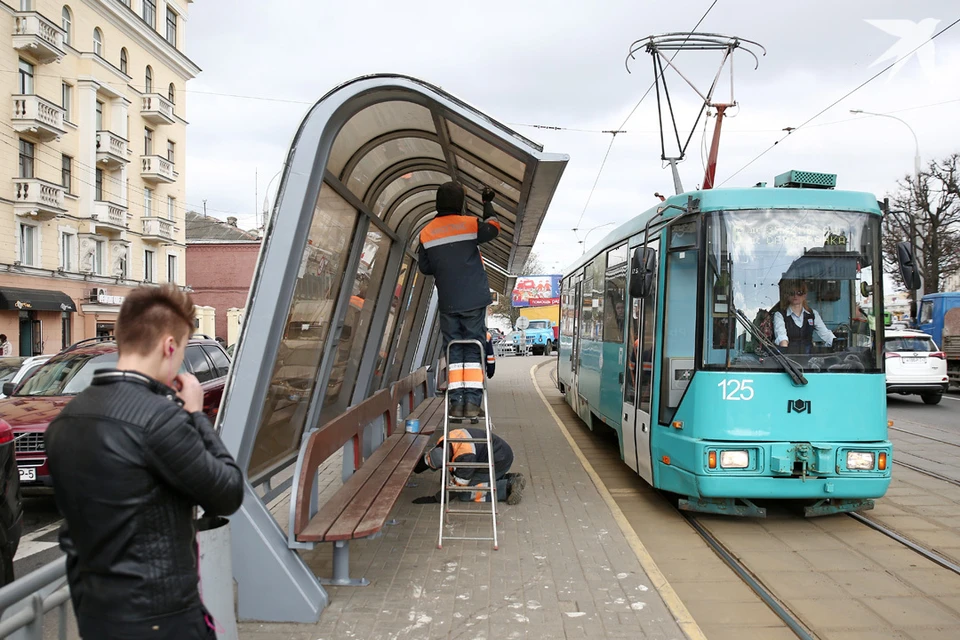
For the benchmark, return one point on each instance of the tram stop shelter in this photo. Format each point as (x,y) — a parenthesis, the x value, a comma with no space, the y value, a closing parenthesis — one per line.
(338,310)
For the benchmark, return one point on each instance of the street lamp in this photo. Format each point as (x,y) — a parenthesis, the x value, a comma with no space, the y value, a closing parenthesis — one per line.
(589,231)
(916,174)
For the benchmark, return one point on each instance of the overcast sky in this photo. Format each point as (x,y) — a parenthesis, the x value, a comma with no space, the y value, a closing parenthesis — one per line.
(562,64)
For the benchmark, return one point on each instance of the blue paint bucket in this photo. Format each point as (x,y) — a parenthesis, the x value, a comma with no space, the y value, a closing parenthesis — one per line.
(413,425)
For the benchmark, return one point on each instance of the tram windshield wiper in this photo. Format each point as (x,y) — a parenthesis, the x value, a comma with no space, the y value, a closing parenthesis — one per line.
(794,370)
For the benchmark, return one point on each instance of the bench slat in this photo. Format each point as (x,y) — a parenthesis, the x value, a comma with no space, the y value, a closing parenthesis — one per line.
(331,510)
(380,510)
(347,521)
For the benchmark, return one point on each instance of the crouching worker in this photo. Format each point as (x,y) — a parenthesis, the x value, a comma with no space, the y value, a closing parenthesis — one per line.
(509,485)
(130,456)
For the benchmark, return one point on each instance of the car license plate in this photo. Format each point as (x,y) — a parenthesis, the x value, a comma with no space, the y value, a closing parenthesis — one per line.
(28,475)
(915,359)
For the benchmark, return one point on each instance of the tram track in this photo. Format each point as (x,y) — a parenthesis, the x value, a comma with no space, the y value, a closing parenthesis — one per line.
(929,554)
(926,437)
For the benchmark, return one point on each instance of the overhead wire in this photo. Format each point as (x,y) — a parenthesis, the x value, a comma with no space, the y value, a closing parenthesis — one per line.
(613,134)
(842,98)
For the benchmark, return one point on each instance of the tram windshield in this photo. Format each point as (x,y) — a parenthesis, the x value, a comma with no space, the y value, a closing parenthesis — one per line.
(795,281)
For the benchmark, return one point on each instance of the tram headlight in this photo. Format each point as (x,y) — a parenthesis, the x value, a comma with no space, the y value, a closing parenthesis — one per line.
(860,460)
(734,459)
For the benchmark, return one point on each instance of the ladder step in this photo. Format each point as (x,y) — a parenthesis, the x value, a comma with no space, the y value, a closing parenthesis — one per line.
(456,487)
(484,440)
(468,465)
(470,512)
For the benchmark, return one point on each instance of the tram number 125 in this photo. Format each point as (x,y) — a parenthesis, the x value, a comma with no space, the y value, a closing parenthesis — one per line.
(737,389)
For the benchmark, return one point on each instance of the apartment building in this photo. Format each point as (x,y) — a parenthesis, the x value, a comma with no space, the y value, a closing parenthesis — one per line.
(92,148)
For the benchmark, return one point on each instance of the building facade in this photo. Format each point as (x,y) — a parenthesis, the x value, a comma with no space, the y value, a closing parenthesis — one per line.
(94,137)
(221,260)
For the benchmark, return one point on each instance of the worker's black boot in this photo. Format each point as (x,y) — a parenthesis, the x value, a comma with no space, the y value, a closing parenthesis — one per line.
(472,410)
(515,485)
(456,409)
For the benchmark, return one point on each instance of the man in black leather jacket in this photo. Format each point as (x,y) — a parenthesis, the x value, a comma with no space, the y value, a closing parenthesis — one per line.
(130,458)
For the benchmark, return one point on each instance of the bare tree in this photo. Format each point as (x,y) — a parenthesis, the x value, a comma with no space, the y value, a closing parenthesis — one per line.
(504,307)
(926,210)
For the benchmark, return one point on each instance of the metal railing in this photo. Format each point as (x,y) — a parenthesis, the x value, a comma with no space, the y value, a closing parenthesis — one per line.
(24,602)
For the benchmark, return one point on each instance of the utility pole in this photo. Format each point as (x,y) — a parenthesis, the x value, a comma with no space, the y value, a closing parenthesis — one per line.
(204,208)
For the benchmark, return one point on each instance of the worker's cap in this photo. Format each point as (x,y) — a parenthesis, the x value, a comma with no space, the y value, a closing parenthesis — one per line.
(434,457)
(450,197)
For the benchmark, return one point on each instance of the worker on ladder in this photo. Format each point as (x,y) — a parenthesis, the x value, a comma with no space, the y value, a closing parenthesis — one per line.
(449,251)
(509,485)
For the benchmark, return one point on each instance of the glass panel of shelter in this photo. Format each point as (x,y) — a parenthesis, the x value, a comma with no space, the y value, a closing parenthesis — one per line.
(388,332)
(494,156)
(386,155)
(296,369)
(356,324)
(488,179)
(412,300)
(405,183)
(374,121)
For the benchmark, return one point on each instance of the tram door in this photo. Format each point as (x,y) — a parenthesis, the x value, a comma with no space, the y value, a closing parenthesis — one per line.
(575,351)
(638,380)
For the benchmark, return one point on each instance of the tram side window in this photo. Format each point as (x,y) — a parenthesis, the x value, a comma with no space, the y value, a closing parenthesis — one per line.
(614,304)
(597,268)
(647,343)
(586,315)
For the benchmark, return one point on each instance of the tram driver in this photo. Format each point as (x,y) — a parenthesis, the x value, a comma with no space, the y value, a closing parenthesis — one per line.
(795,323)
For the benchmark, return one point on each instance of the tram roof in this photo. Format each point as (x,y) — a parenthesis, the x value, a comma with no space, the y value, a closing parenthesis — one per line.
(737,199)
(399,138)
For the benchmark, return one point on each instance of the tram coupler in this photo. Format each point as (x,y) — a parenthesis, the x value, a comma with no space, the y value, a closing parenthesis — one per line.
(830,506)
(723,506)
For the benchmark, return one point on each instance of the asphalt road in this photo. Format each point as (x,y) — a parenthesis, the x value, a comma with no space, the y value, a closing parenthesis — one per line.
(945,415)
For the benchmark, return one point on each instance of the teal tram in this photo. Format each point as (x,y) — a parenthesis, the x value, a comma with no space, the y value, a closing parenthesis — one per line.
(728,337)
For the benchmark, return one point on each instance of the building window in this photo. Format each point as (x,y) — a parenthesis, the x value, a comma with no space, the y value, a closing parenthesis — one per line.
(148,80)
(150,12)
(172,269)
(98,189)
(148,263)
(148,201)
(172,94)
(66,251)
(171,151)
(28,244)
(147,141)
(98,42)
(26,159)
(123,60)
(171,26)
(66,329)
(66,173)
(99,121)
(66,21)
(171,207)
(122,270)
(26,78)
(98,255)
(66,100)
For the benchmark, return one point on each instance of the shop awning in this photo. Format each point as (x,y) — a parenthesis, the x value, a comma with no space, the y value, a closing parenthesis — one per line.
(35,300)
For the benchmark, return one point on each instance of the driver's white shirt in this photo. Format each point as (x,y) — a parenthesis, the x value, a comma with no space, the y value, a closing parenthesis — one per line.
(780,329)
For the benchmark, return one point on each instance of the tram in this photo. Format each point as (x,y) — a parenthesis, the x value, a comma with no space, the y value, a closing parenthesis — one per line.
(675,334)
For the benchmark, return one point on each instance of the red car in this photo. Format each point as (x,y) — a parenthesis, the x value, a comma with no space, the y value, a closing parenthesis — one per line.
(38,400)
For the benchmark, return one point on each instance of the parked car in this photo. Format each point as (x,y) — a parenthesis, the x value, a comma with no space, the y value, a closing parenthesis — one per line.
(11,504)
(33,404)
(16,370)
(915,365)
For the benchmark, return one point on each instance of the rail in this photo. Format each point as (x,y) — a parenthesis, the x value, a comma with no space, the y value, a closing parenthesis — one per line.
(24,602)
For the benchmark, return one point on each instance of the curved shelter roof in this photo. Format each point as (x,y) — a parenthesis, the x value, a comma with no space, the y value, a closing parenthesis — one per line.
(337,308)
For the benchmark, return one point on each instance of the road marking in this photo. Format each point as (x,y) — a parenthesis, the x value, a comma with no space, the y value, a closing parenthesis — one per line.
(659,581)
(29,545)
(951,398)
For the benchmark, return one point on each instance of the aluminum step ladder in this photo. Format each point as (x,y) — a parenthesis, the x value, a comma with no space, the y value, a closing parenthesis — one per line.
(447,484)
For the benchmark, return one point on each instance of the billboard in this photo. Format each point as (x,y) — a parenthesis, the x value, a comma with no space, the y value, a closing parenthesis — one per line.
(536,291)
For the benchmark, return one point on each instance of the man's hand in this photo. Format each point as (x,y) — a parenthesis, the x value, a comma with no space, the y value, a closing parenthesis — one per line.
(190,392)
(487,195)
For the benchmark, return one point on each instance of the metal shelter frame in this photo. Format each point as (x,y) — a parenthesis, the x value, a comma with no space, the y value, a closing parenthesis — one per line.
(373,150)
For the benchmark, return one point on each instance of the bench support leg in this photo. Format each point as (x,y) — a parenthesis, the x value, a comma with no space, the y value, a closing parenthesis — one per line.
(341,568)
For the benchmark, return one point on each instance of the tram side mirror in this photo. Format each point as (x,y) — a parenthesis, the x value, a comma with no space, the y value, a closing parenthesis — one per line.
(865,289)
(642,270)
(8,388)
(908,267)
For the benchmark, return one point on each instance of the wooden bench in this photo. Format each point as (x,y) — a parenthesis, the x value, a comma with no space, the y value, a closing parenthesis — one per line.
(361,507)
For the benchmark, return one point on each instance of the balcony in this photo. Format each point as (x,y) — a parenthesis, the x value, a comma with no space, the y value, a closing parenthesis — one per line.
(158,230)
(37,199)
(34,34)
(111,151)
(39,118)
(110,216)
(157,169)
(157,109)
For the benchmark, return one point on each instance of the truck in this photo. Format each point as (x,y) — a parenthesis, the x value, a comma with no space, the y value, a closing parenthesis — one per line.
(540,336)
(939,317)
